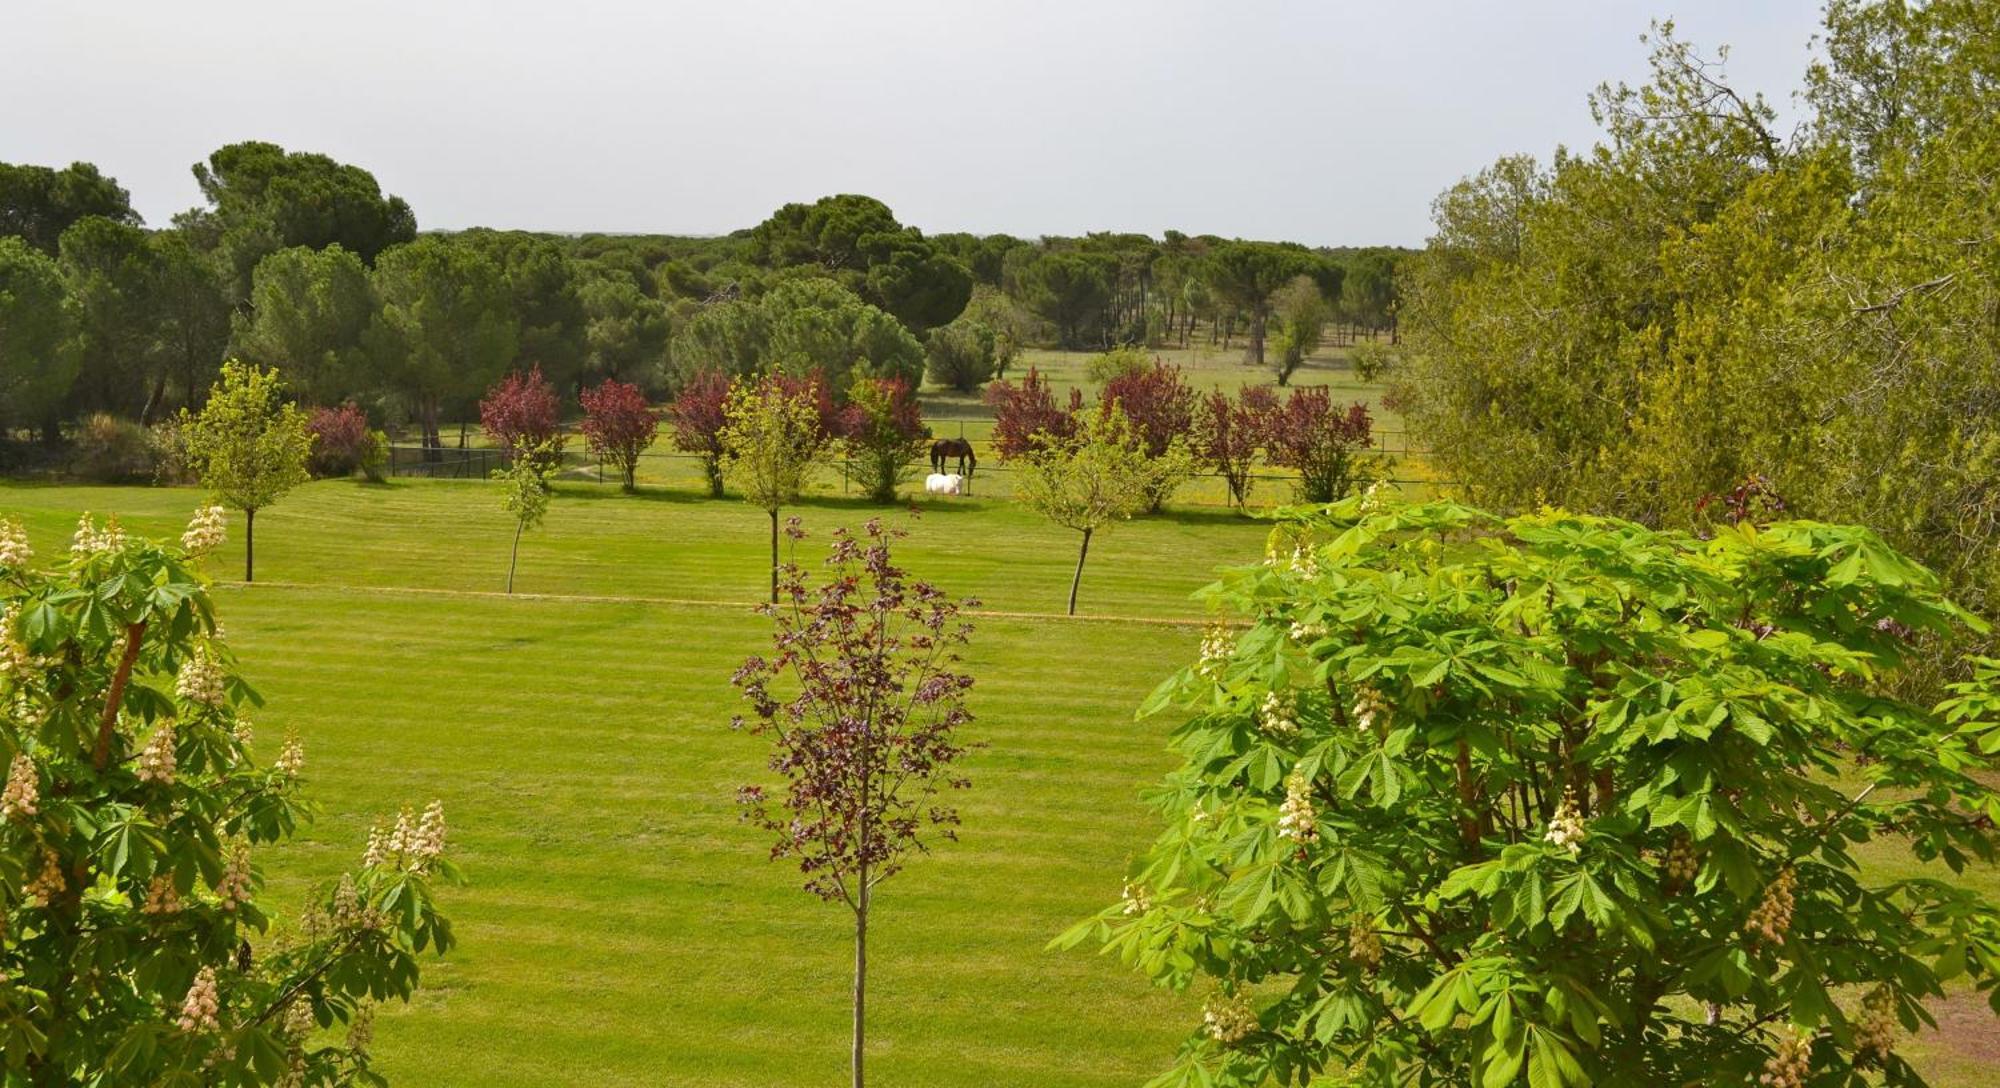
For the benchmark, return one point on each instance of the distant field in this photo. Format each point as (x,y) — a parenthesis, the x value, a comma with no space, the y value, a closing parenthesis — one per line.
(621,926)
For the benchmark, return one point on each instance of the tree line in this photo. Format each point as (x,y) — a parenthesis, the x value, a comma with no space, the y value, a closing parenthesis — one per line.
(304,264)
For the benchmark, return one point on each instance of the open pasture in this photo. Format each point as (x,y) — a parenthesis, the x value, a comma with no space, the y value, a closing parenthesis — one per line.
(620,926)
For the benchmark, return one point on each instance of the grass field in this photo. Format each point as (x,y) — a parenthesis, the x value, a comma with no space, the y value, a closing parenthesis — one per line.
(621,927)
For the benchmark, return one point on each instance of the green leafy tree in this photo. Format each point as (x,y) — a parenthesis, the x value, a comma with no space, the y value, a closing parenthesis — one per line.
(960,356)
(262,198)
(193,314)
(445,327)
(138,945)
(309,319)
(1098,475)
(248,445)
(109,270)
(38,355)
(526,486)
(1248,275)
(546,288)
(882,435)
(1301,312)
(801,327)
(856,241)
(1068,290)
(625,330)
(776,432)
(1562,800)
(39,203)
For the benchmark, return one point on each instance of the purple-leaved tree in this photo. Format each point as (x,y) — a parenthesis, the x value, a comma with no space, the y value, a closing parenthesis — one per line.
(862,701)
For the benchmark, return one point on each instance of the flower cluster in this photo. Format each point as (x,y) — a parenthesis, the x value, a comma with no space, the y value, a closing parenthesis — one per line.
(162,898)
(206,531)
(234,888)
(1228,1018)
(1275,716)
(1216,649)
(1137,899)
(1566,828)
(412,844)
(15,553)
(1875,1035)
(292,757)
(14,657)
(1297,820)
(198,1009)
(156,762)
(1364,945)
(361,1030)
(1305,634)
(1791,1065)
(47,884)
(200,680)
(1304,562)
(1773,917)
(22,797)
(91,540)
(1682,864)
(1368,708)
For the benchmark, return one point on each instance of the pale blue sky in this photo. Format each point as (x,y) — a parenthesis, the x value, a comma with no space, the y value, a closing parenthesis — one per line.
(1326,123)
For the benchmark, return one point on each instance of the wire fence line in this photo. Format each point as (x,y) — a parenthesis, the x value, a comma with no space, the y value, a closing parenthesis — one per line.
(480,462)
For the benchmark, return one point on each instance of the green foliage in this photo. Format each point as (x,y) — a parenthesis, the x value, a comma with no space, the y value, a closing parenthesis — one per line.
(309,319)
(857,241)
(1121,361)
(108,270)
(1561,798)
(110,450)
(263,198)
(775,434)
(961,356)
(800,327)
(1068,290)
(626,331)
(137,951)
(38,203)
(1696,301)
(1301,311)
(1247,274)
(1099,475)
(526,486)
(248,445)
(38,356)
(445,328)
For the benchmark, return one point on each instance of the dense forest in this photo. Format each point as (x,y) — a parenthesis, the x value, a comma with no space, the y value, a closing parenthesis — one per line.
(302,263)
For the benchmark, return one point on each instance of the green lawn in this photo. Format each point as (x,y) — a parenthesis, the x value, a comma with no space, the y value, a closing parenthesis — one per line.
(621,927)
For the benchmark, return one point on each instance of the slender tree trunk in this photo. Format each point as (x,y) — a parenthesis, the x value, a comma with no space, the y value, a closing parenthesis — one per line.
(515,556)
(861,980)
(249,545)
(774,557)
(1077,578)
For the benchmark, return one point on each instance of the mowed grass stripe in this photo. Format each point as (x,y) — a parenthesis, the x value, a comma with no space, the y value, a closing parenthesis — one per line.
(443,534)
(622,927)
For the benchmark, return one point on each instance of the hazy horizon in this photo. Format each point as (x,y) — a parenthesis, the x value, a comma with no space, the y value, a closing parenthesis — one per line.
(1318,123)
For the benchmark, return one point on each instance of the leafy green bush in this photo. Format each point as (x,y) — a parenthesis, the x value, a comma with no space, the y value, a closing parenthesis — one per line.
(1119,362)
(1561,798)
(135,947)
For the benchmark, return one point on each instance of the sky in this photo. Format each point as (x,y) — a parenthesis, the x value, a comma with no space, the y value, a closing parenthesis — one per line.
(1329,123)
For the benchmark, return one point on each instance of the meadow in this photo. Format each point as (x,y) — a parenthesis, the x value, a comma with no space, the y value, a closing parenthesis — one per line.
(620,925)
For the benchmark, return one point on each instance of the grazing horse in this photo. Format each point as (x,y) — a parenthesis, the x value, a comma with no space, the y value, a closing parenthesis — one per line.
(945,449)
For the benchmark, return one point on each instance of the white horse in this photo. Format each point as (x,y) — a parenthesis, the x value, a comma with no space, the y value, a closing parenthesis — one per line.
(944,483)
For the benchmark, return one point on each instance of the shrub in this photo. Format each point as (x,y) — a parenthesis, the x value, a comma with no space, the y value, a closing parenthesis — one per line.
(169,453)
(1161,408)
(960,356)
(1229,432)
(1025,416)
(1326,445)
(1563,798)
(1105,368)
(619,426)
(110,450)
(882,433)
(341,440)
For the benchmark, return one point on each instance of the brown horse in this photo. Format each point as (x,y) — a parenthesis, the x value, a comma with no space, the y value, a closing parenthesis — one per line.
(945,449)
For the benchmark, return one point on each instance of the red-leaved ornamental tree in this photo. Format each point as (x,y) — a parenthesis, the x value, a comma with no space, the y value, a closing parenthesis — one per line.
(341,440)
(1229,432)
(1025,415)
(1326,444)
(1156,401)
(619,426)
(698,414)
(862,702)
(522,412)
